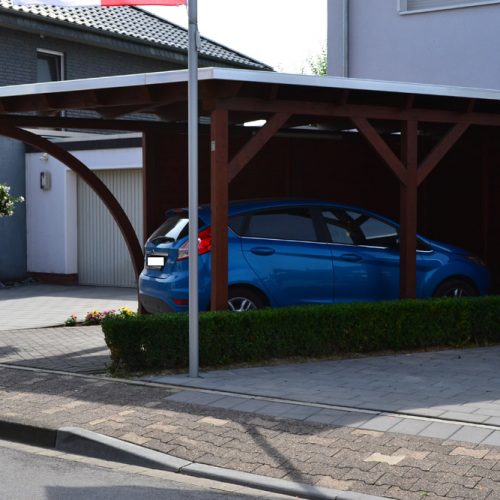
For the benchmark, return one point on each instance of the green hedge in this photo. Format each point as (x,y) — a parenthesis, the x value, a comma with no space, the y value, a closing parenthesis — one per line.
(153,342)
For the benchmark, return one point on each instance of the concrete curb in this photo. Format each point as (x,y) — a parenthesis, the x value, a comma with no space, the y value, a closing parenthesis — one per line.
(271,484)
(91,444)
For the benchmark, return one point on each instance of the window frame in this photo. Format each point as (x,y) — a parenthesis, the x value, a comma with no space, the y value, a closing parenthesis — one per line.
(439,6)
(60,57)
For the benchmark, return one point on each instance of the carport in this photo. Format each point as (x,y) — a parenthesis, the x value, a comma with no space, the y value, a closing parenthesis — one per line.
(412,129)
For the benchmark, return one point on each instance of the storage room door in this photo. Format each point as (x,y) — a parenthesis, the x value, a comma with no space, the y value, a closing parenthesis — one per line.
(103,258)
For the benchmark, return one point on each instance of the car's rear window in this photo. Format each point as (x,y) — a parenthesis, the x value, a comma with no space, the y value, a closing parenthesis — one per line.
(175,227)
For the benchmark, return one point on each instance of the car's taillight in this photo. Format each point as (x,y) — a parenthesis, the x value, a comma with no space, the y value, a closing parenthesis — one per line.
(204,245)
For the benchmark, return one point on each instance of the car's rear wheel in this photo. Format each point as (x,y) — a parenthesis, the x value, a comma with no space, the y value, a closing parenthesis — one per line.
(456,287)
(243,299)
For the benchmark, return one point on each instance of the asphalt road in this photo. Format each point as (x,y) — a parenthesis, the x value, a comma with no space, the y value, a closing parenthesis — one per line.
(28,473)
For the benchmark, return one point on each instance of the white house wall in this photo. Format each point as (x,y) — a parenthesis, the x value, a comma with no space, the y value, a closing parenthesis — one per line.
(458,46)
(51,216)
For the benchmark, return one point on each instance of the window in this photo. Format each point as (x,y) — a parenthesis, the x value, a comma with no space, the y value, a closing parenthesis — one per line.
(355,228)
(339,224)
(174,228)
(414,6)
(378,234)
(292,223)
(49,66)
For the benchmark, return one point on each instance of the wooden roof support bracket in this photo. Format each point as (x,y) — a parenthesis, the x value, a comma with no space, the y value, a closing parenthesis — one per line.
(256,143)
(381,147)
(440,150)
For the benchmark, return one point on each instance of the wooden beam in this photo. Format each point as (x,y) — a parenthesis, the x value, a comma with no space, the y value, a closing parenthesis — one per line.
(84,123)
(408,212)
(256,143)
(344,97)
(376,112)
(273,92)
(409,100)
(440,150)
(381,147)
(219,181)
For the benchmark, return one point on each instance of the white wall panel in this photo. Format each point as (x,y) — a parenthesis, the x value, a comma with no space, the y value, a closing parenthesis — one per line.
(103,257)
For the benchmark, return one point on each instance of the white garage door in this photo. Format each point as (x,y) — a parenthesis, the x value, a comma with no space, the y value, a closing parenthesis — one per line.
(103,258)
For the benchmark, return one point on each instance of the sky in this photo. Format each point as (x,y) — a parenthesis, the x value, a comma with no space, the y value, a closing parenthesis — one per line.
(284,34)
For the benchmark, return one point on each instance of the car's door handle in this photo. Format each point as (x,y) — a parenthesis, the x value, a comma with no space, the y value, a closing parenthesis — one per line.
(262,250)
(350,257)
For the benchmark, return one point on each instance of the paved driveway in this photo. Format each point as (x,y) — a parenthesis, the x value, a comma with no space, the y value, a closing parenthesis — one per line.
(37,305)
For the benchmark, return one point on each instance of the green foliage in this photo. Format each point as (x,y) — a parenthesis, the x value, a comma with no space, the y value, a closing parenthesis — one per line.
(161,341)
(318,65)
(7,201)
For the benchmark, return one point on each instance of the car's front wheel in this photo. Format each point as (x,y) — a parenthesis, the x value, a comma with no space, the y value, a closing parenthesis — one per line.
(456,287)
(243,299)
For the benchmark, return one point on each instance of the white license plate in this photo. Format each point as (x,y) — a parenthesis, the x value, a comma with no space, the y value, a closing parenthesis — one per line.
(154,261)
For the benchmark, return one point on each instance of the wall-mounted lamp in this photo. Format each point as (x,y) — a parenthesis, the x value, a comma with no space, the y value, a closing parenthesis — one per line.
(44,157)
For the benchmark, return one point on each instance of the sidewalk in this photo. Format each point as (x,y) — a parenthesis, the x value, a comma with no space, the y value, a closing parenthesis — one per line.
(280,421)
(374,462)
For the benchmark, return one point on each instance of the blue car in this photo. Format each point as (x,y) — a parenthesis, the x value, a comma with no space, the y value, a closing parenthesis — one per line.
(284,253)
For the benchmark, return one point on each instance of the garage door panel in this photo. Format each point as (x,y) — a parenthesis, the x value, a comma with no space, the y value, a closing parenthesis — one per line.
(103,258)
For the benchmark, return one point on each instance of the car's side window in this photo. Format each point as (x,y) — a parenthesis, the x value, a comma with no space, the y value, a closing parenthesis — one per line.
(377,233)
(292,223)
(348,227)
(337,223)
(342,225)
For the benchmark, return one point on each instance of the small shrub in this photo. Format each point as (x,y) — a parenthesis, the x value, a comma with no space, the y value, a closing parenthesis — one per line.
(161,341)
(7,201)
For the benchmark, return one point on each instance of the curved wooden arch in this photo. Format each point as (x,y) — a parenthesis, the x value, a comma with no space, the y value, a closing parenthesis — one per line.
(111,203)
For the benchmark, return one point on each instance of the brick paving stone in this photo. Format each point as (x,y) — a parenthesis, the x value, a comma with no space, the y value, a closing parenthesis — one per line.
(425,486)
(468,452)
(398,493)
(370,477)
(386,459)
(476,462)
(336,484)
(493,455)
(370,489)
(390,478)
(480,493)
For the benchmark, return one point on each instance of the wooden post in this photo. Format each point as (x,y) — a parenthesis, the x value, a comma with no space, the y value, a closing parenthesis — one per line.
(219,179)
(408,212)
